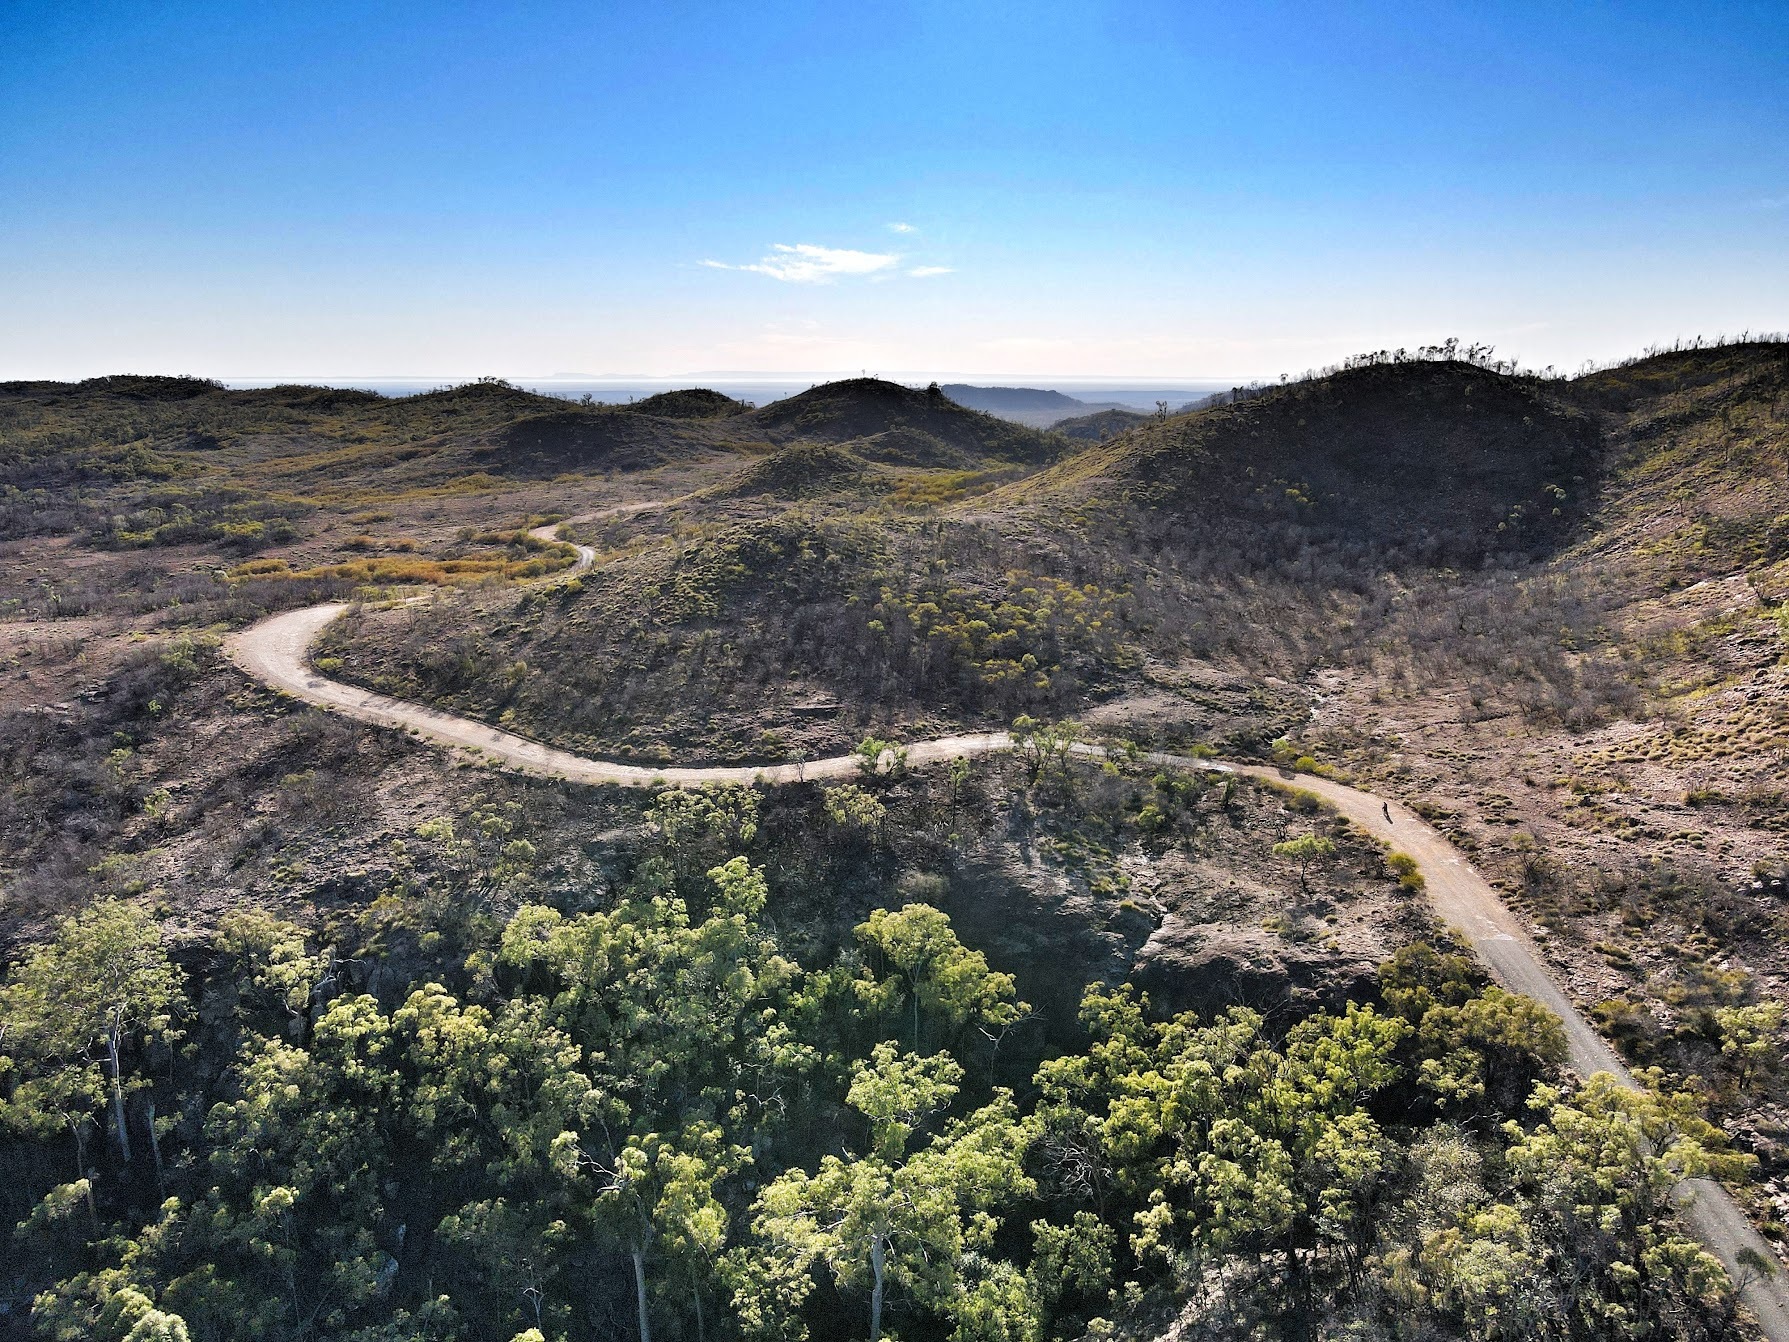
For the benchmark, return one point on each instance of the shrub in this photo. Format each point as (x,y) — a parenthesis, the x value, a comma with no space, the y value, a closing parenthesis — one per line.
(1404,867)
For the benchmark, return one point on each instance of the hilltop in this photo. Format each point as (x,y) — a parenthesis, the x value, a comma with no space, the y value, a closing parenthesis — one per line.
(1075,585)
(1007,400)
(691,403)
(123,428)
(1100,425)
(801,471)
(927,427)
(1442,460)
(577,440)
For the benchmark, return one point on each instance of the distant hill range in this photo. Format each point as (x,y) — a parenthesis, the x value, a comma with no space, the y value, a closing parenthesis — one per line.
(1041,408)
(1001,400)
(1034,406)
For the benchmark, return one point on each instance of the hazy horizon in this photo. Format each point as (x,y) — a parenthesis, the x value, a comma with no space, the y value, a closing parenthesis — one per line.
(1138,393)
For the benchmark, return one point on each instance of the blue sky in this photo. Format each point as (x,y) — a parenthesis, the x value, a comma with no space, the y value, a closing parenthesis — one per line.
(1164,190)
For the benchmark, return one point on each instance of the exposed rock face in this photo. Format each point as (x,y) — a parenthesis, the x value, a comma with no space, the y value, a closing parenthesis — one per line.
(1196,933)
(1206,967)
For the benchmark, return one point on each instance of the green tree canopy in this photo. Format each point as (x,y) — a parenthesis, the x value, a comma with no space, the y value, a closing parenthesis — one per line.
(103,982)
(917,961)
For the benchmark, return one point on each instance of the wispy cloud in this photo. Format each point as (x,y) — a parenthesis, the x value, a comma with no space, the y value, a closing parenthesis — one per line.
(902,228)
(805,263)
(926,272)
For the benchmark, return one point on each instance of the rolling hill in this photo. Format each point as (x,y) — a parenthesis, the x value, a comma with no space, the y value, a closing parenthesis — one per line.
(1539,627)
(1444,460)
(1100,425)
(927,429)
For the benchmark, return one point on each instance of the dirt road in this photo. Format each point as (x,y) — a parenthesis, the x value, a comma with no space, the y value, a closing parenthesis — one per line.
(1466,901)
(274,653)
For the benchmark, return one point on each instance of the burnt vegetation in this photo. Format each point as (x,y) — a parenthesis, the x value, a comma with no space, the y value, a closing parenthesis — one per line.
(311,1032)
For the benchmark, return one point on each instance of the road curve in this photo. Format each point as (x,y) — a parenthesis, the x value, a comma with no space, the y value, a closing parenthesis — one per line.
(274,652)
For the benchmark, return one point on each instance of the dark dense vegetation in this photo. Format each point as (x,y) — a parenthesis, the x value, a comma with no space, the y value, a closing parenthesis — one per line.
(456,1113)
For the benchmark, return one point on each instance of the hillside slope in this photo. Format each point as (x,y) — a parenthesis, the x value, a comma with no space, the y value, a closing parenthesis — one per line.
(1101,425)
(1698,476)
(1592,708)
(546,445)
(1443,461)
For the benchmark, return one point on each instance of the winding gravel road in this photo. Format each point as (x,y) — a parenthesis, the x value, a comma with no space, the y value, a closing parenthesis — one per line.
(274,652)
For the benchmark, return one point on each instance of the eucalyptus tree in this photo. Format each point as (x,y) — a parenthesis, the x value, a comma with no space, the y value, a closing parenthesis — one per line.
(660,1193)
(1217,1142)
(1302,851)
(80,1001)
(918,962)
(680,1023)
(898,1212)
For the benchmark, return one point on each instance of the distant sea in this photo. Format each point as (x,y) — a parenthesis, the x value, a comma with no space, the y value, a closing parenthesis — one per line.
(1138,394)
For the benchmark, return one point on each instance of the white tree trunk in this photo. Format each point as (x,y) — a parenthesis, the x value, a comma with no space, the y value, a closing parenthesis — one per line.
(155,1149)
(878,1259)
(118,1124)
(640,1293)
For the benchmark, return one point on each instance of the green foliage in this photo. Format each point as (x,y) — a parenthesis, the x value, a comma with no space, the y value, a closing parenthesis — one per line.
(1301,800)
(72,1012)
(237,519)
(700,828)
(1072,1264)
(104,1308)
(1220,1143)
(849,807)
(1304,850)
(1751,1040)
(660,1192)
(275,977)
(1479,1049)
(1588,1244)
(511,555)
(685,1012)
(894,1217)
(933,974)
(1404,867)
(644,1112)
(481,853)
(718,814)
(1027,645)
(1045,748)
(877,758)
